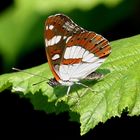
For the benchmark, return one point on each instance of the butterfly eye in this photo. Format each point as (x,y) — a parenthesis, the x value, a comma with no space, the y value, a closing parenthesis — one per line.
(78,38)
(71,40)
(85,38)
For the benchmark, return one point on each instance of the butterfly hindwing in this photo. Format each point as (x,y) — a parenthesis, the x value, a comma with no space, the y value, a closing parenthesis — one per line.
(84,53)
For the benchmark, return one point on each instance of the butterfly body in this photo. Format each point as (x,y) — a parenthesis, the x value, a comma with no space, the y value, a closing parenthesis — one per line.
(73,53)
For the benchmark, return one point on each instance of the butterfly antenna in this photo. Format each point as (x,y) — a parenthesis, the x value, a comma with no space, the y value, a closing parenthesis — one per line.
(16,69)
(39,82)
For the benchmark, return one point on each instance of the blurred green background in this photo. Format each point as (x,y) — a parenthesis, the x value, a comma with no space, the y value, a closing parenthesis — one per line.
(22,25)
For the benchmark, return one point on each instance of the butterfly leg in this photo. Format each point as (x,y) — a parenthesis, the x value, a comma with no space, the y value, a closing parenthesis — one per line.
(68,90)
(76,98)
(78,83)
(87,88)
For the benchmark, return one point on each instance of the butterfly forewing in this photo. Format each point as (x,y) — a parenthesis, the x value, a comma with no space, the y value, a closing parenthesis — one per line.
(58,29)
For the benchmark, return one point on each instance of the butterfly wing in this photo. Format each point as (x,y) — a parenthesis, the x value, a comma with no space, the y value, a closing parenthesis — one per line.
(58,28)
(84,53)
(73,53)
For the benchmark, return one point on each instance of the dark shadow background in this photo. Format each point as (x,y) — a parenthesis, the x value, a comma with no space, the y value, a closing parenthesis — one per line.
(19,119)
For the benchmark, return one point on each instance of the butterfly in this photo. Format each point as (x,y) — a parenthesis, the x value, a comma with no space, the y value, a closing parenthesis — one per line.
(73,53)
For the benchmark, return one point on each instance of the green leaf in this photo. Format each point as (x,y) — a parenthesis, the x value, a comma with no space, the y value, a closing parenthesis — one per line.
(118,91)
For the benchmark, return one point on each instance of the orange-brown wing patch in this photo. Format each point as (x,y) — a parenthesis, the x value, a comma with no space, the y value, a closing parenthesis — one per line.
(71,61)
(104,52)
